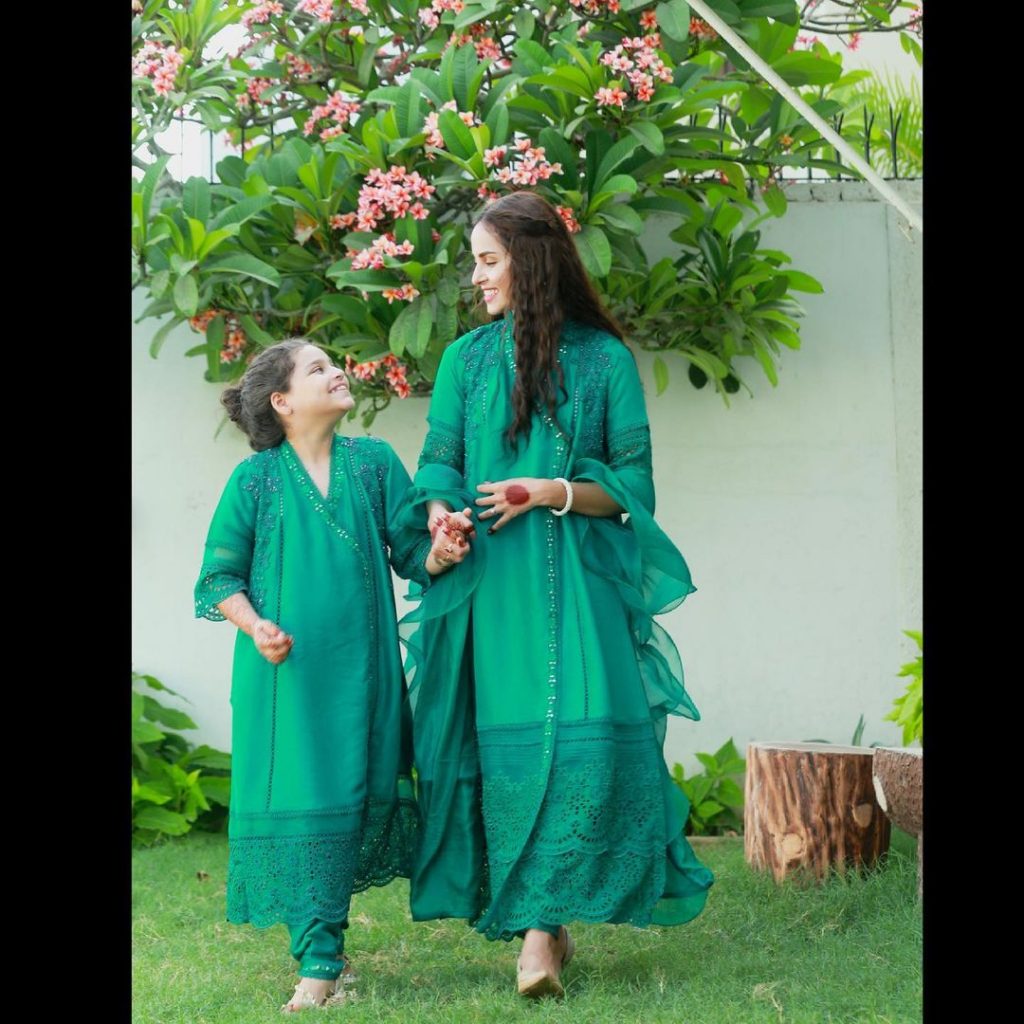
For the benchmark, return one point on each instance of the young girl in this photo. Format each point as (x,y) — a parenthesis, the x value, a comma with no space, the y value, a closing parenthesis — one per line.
(540,680)
(297,557)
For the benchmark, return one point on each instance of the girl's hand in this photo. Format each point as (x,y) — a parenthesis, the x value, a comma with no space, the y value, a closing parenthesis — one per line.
(271,641)
(450,533)
(510,498)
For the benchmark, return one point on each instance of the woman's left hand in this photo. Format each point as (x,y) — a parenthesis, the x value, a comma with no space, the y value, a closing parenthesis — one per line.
(507,499)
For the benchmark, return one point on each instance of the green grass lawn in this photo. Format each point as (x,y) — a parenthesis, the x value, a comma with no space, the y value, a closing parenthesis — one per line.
(847,951)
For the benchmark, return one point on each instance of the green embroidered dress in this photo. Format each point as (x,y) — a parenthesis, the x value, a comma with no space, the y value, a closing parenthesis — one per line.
(539,680)
(321,802)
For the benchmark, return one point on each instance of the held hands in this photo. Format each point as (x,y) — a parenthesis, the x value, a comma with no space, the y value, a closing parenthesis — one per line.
(271,641)
(450,533)
(511,498)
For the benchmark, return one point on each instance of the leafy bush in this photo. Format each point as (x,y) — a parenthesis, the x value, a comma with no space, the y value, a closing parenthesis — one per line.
(174,783)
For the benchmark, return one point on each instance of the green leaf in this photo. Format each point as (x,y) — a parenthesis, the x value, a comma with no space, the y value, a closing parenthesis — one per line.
(709,808)
(448,290)
(524,23)
(709,762)
(240,212)
(145,732)
(365,280)
(805,68)
(171,717)
(149,794)
(594,250)
(215,238)
(775,199)
(728,11)
(161,335)
(348,306)
(456,134)
(248,265)
(649,135)
(208,757)
(464,65)
(802,282)
(624,217)
(195,199)
(150,180)
(186,295)
(411,330)
(161,820)
(660,375)
(217,789)
(764,357)
(622,150)
(674,19)
(497,122)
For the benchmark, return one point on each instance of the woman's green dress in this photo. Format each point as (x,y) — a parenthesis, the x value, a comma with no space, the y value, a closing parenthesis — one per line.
(539,680)
(321,801)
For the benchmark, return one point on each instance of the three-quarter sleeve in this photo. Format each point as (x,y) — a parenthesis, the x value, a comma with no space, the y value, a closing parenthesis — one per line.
(227,556)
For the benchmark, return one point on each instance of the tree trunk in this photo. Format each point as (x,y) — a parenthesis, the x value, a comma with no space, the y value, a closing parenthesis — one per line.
(811,807)
(899,786)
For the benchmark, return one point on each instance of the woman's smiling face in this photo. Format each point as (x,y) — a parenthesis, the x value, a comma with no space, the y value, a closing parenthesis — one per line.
(493,269)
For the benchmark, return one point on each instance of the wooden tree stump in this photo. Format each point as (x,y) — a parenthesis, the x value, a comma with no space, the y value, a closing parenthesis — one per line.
(898,775)
(811,807)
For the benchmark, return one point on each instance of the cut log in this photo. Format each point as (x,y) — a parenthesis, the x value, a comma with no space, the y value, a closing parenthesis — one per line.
(810,808)
(898,776)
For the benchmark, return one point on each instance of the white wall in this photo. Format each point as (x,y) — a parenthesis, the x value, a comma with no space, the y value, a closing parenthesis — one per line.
(798,510)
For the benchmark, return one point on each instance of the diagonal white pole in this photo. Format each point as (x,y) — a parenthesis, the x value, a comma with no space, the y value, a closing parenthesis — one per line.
(795,101)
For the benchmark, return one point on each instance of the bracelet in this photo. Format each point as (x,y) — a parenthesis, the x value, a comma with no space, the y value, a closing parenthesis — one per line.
(568,497)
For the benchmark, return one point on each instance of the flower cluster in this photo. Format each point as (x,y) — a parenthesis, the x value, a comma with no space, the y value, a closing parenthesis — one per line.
(320,9)
(700,29)
(406,292)
(527,164)
(431,16)
(160,63)
(253,88)
(234,337)
(373,257)
(261,15)
(394,192)
(394,373)
(339,108)
(566,213)
(637,56)
(300,68)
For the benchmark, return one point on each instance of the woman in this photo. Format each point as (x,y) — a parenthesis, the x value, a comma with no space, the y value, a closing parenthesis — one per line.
(540,682)
(297,557)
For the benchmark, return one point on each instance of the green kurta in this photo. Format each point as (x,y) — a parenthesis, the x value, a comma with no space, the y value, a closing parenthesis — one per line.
(321,804)
(539,680)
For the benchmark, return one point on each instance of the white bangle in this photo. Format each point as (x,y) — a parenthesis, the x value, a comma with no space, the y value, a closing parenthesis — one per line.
(568,497)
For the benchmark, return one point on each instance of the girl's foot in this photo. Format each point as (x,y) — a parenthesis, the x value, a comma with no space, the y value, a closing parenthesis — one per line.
(310,992)
(541,962)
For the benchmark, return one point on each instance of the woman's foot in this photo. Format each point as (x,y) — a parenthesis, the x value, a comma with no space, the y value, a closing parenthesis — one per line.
(309,993)
(541,962)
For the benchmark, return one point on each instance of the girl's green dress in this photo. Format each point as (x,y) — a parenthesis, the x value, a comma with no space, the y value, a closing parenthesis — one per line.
(538,677)
(321,801)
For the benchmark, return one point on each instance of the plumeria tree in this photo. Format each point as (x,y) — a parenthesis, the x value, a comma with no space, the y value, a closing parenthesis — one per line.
(369,132)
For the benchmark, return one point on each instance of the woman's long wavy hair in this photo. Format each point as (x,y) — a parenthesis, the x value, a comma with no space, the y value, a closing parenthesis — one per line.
(549,286)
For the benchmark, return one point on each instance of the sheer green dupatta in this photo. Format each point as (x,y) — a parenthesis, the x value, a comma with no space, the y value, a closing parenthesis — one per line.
(449,877)
(651,577)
